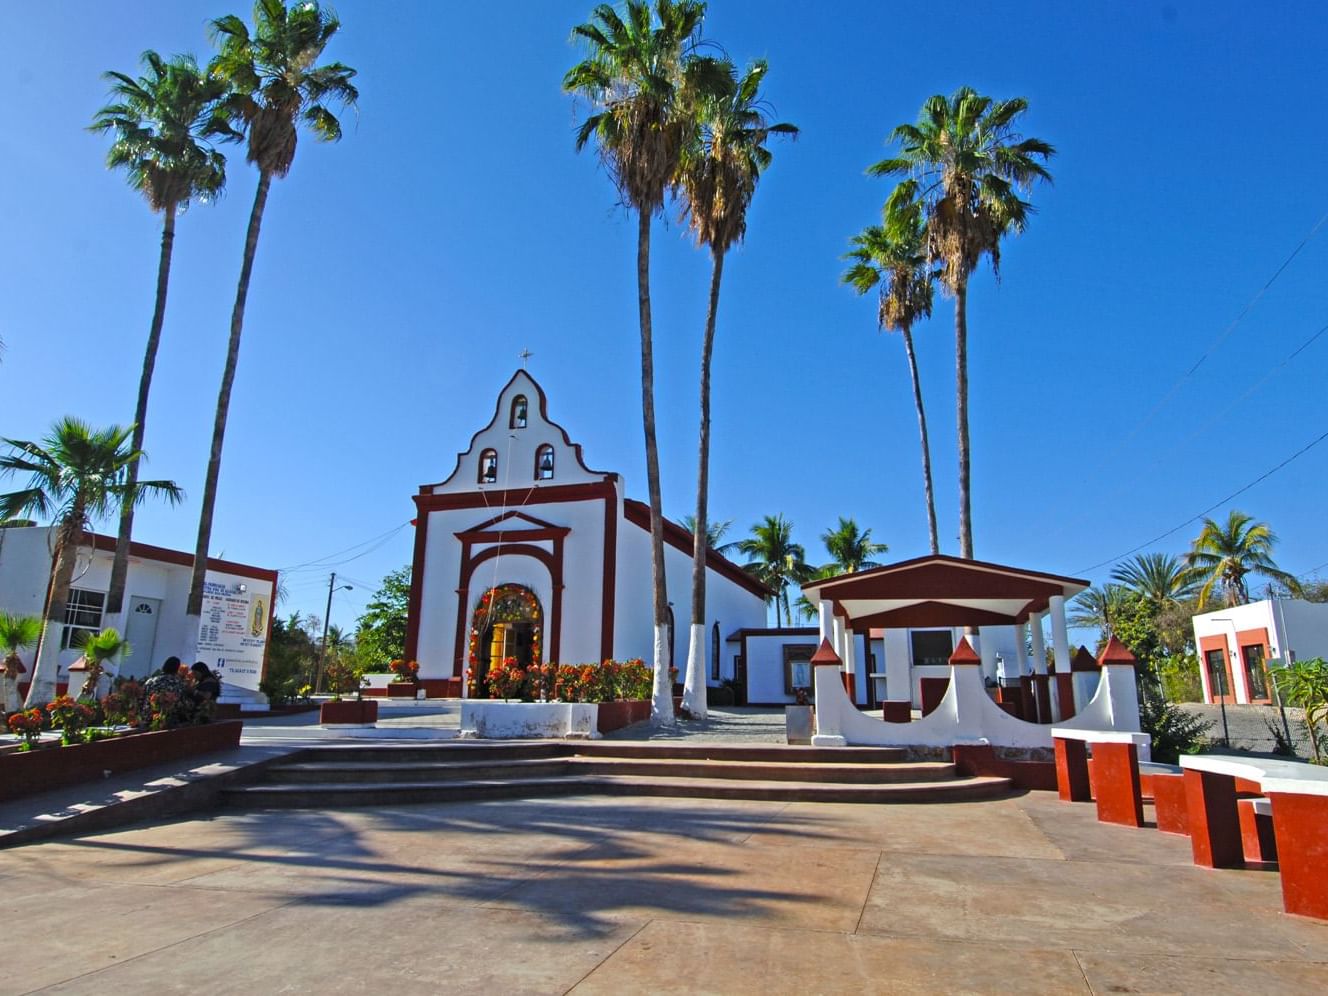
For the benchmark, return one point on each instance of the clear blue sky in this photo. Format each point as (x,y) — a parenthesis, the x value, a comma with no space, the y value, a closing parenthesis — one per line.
(401,272)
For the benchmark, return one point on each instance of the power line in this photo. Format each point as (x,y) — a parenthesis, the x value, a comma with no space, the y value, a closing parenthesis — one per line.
(326,561)
(1216,343)
(1262,477)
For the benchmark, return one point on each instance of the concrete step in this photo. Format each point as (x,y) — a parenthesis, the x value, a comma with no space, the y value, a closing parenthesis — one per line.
(767,771)
(317,772)
(433,753)
(327,796)
(784,753)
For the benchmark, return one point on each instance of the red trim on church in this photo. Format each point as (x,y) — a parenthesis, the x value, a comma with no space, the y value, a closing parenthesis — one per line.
(638,513)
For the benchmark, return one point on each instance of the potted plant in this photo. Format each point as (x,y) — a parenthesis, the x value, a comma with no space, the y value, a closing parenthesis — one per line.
(16,632)
(341,680)
(27,725)
(98,651)
(403,684)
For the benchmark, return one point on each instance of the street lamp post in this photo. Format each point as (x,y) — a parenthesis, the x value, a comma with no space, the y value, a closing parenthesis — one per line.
(327,618)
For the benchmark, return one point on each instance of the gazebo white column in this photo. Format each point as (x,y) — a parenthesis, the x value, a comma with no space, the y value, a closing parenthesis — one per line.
(987,651)
(1060,635)
(837,639)
(1039,644)
(1020,655)
(825,619)
(850,651)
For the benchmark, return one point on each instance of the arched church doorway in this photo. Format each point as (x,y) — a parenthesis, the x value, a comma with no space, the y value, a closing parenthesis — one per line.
(507,622)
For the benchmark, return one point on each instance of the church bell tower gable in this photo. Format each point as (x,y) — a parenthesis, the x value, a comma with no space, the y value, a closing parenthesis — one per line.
(520,449)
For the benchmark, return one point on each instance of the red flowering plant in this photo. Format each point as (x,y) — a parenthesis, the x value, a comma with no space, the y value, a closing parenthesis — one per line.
(634,680)
(164,709)
(566,683)
(27,725)
(70,717)
(507,680)
(542,681)
(404,670)
(123,704)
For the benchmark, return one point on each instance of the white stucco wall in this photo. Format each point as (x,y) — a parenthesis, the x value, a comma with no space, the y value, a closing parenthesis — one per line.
(765,666)
(25,565)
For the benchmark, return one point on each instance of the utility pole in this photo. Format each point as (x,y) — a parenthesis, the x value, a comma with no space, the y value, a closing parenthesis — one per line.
(327,619)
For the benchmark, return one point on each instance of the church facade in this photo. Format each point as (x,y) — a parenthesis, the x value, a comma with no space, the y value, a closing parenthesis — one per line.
(524,551)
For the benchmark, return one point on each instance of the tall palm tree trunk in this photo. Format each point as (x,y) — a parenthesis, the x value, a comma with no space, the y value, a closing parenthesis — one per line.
(961,419)
(694,689)
(922,431)
(120,565)
(194,609)
(45,664)
(661,707)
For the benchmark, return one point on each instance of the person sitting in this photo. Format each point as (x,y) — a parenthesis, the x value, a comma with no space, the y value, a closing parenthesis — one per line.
(207,686)
(167,681)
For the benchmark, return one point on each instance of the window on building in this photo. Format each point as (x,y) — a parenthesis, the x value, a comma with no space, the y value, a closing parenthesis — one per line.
(1256,679)
(932,646)
(544,463)
(488,467)
(83,614)
(714,652)
(798,667)
(519,412)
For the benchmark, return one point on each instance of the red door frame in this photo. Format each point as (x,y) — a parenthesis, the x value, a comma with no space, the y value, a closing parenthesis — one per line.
(1206,644)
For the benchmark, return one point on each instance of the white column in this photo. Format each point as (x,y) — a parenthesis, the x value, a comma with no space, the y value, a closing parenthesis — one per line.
(987,651)
(1060,636)
(1039,646)
(837,638)
(825,617)
(1020,654)
(850,651)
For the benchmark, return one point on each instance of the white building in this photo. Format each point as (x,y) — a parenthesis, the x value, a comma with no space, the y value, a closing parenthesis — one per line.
(524,551)
(1236,644)
(237,610)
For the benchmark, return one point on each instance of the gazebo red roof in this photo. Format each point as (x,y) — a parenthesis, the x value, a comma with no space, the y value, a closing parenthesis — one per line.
(938,590)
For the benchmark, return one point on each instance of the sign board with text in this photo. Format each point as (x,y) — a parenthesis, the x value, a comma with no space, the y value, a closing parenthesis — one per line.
(232,638)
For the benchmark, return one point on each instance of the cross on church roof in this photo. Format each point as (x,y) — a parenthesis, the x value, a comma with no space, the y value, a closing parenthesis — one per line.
(525,355)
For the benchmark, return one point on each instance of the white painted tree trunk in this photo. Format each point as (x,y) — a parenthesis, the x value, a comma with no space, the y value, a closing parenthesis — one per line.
(694,687)
(12,703)
(661,699)
(45,668)
(189,646)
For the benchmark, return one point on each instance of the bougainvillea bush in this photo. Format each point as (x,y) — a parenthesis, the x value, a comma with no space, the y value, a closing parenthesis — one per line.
(610,681)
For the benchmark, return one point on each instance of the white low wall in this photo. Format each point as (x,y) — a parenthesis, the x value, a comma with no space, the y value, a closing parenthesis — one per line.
(493,720)
(967,715)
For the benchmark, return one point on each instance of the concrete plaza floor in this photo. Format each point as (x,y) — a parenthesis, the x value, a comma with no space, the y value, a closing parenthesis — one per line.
(621,895)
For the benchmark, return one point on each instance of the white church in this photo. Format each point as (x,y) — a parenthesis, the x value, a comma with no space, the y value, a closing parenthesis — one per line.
(524,551)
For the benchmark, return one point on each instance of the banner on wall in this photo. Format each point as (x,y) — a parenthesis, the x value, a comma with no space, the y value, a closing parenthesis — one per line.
(232,637)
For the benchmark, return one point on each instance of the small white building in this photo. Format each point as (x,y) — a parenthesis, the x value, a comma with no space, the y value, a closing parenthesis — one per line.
(1237,644)
(237,609)
(524,551)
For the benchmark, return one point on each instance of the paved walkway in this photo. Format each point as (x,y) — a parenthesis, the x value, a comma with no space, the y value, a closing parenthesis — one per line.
(592,895)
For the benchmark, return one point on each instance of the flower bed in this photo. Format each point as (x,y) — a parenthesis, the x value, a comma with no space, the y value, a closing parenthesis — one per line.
(402,690)
(348,713)
(46,768)
(615,715)
(487,719)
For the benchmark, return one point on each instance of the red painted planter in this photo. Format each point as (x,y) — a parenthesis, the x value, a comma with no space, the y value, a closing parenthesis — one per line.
(49,768)
(348,711)
(402,690)
(616,715)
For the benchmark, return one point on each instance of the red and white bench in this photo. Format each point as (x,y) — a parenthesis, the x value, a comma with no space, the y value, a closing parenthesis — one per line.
(1297,805)
(1115,778)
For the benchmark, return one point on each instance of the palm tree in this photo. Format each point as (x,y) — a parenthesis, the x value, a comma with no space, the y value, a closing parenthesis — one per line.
(162,123)
(1098,607)
(97,649)
(16,632)
(1159,578)
(851,549)
(718,173)
(970,165)
(893,255)
(1223,554)
(776,560)
(714,533)
(276,85)
(77,475)
(633,80)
